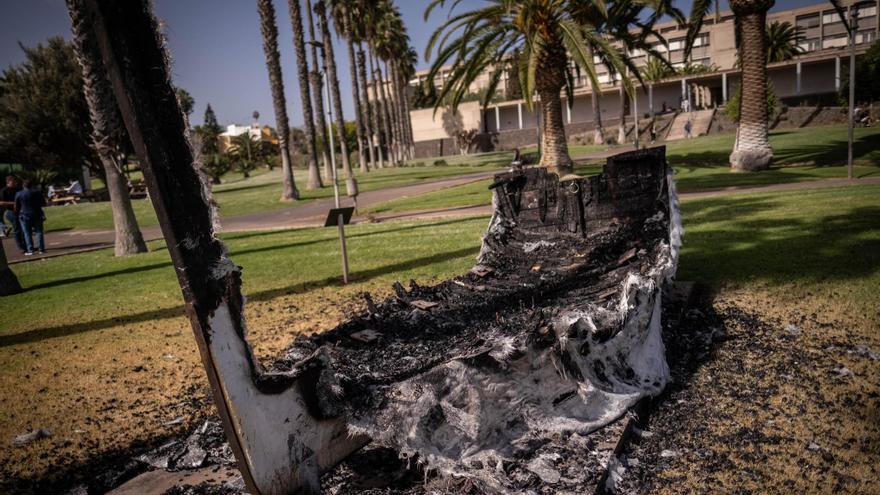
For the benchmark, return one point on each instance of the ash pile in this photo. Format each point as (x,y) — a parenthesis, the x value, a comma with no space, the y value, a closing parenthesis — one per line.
(498,380)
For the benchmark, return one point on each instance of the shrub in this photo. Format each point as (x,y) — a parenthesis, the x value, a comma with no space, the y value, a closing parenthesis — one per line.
(440,163)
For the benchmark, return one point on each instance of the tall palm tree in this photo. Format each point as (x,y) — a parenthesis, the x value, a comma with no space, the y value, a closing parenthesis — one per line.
(273,64)
(106,131)
(302,66)
(370,111)
(381,103)
(330,60)
(318,95)
(544,33)
(751,150)
(341,11)
(782,41)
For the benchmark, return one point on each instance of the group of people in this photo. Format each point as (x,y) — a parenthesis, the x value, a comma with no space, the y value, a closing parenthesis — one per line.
(22,206)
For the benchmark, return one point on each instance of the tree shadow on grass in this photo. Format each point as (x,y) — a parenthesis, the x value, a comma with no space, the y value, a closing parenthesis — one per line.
(830,153)
(331,237)
(778,250)
(821,154)
(39,334)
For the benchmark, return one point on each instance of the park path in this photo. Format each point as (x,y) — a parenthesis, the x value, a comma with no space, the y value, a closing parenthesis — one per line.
(312,214)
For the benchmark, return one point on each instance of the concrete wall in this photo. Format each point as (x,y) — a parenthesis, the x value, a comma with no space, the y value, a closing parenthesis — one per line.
(427,126)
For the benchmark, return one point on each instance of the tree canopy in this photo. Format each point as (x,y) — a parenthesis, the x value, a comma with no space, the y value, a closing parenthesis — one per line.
(44,117)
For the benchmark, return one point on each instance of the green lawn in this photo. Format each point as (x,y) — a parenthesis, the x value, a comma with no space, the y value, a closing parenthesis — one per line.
(701,164)
(808,241)
(238,196)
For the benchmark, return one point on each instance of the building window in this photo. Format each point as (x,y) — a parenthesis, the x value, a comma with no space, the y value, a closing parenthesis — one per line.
(834,41)
(830,17)
(810,45)
(807,21)
(867,11)
(676,44)
(865,37)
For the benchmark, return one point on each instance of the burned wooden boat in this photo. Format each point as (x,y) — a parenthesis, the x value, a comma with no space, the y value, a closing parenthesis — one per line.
(554,332)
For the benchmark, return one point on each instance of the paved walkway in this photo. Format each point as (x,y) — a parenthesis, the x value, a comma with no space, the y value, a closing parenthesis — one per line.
(312,214)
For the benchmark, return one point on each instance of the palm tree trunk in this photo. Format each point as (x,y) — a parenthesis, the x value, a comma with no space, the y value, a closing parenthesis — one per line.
(302,66)
(371,120)
(599,132)
(318,96)
(621,125)
(8,281)
(410,140)
(554,147)
(402,114)
(360,130)
(330,59)
(276,82)
(393,109)
(379,85)
(106,125)
(129,239)
(752,150)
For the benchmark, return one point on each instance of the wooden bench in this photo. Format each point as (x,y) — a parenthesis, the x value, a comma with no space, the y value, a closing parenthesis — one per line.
(138,189)
(67,199)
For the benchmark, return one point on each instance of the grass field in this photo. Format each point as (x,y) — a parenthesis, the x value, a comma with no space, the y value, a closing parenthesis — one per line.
(260,192)
(801,155)
(98,350)
(701,164)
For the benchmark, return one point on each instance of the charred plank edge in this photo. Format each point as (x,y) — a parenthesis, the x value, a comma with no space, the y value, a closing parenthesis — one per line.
(133,53)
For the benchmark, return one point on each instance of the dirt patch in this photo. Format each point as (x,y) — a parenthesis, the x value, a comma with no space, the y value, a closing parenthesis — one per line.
(787,403)
(108,394)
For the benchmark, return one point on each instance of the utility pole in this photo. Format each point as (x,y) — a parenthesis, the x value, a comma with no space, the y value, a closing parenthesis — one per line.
(853,27)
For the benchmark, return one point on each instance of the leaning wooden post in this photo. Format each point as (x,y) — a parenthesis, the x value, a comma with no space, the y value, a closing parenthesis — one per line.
(281,443)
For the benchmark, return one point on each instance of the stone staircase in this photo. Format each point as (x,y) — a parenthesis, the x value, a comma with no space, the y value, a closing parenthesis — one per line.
(700,122)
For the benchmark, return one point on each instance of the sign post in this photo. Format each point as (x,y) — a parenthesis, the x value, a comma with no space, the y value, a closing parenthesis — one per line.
(337,216)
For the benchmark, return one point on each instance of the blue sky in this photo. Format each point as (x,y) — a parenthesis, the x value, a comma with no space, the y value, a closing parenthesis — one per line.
(217,52)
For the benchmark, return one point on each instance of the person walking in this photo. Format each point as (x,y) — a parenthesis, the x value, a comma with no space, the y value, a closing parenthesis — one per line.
(653,133)
(7,211)
(688,126)
(29,207)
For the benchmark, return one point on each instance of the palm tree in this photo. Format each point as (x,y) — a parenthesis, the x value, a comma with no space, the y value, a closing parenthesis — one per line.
(243,151)
(302,66)
(318,95)
(751,150)
(544,33)
(782,41)
(107,131)
(375,13)
(279,103)
(341,12)
(330,60)
(371,115)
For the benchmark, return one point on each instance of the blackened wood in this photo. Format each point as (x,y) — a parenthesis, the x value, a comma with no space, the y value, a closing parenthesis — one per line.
(133,53)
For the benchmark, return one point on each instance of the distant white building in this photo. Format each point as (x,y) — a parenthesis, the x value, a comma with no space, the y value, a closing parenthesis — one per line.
(256,132)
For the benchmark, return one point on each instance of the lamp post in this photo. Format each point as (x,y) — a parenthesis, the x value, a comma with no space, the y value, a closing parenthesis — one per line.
(853,27)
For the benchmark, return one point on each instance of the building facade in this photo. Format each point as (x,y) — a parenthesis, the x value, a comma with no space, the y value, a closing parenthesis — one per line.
(813,77)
